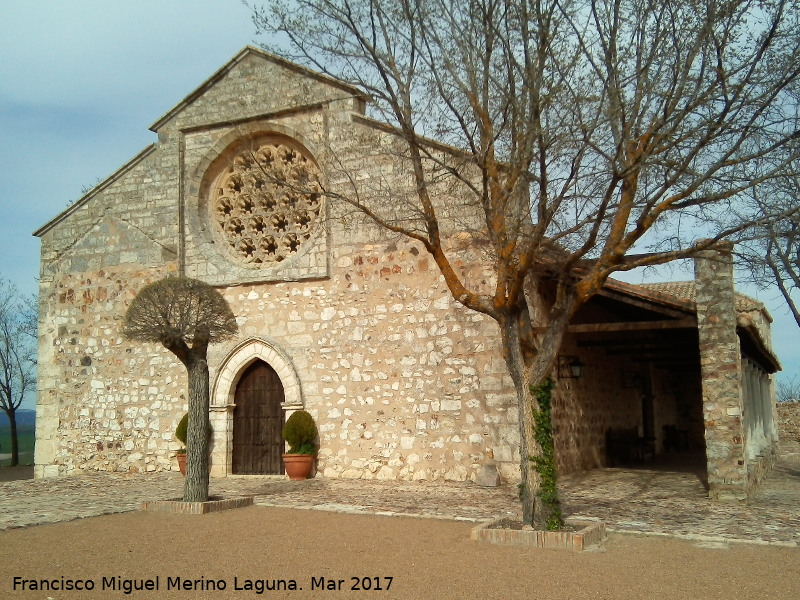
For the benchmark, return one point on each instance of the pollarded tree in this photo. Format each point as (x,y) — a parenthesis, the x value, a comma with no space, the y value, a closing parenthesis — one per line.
(185,315)
(580,133)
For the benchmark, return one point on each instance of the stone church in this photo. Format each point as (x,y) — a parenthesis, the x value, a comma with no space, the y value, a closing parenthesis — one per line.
(340,318)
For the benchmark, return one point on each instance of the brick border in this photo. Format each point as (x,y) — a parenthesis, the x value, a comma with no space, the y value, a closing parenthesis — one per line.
(590,533)
(195,508)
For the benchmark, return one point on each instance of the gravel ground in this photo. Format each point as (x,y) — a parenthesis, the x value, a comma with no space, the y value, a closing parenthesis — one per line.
(326,553)
(425,558)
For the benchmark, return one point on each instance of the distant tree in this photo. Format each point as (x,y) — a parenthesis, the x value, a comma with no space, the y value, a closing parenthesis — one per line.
(185,315)
(771,253)
(17,355)
(581,133)
(788,390)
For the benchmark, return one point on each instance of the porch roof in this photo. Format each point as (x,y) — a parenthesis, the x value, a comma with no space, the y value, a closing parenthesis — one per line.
(675,297)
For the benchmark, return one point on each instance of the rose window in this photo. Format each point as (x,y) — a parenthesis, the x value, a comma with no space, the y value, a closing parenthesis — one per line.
(267,203)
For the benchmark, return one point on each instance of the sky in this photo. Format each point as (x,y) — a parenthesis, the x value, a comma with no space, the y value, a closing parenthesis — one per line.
(82,80)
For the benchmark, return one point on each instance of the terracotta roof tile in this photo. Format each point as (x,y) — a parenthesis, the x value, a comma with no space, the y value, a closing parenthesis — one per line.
(685,290)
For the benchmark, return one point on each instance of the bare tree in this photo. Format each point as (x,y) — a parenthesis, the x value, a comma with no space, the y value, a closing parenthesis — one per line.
(578,132)
(788,390)
(770,254)
(185,315)
(17,355)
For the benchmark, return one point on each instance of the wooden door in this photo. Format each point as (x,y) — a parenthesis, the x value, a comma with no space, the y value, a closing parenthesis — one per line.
(257,422)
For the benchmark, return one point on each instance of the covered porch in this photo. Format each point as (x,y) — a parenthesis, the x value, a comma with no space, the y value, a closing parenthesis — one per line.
(638,399)
(671,375)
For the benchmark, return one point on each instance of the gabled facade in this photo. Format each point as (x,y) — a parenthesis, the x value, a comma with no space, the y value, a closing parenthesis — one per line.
(355,325)
(335,315)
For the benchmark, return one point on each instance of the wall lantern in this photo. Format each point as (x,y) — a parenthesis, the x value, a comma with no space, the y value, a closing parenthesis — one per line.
(570,367)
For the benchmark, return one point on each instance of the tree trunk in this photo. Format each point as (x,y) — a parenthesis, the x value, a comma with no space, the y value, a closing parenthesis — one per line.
(195,487)
(530,367)
(529,483)
(12,426)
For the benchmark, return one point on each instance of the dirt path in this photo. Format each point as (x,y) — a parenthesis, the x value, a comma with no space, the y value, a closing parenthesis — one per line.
(424,558)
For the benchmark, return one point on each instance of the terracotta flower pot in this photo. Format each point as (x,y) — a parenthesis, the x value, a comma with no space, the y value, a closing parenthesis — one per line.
(298,466)
(181,463)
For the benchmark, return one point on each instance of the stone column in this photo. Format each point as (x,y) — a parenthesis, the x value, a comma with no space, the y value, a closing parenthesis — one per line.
(720,360)
(221,418)
(47,407)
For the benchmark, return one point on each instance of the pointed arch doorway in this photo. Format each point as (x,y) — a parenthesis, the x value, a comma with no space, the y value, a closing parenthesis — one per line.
(257,422)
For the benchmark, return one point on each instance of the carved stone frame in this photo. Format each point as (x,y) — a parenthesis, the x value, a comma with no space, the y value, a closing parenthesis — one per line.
(224,388)
(219,269)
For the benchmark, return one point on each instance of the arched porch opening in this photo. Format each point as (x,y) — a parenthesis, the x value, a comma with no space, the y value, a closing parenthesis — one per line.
(245,371)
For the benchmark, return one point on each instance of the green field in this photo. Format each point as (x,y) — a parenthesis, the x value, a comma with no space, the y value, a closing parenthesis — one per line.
(26,437)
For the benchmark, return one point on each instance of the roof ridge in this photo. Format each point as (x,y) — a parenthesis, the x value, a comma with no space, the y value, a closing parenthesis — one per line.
(237,58)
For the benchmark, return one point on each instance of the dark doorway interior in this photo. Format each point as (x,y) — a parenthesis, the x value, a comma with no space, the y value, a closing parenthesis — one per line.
(257,422)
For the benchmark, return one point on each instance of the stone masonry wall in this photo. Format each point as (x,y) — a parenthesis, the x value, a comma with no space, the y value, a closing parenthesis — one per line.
(731,474)
(114,404)
(788,414)
(123,234)
(404,382)
(584,409)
